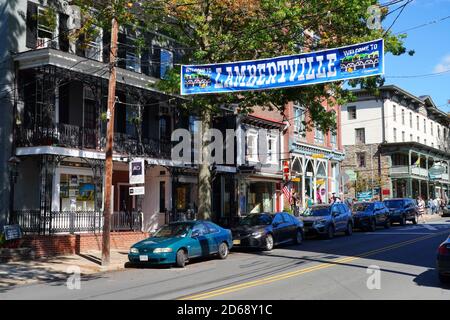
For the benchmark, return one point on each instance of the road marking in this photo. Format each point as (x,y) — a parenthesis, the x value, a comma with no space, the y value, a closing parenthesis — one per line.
(283,276)
(429,227)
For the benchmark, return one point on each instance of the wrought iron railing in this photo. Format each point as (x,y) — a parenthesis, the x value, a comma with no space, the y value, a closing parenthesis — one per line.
(37,222)
(71,136)
(59,134)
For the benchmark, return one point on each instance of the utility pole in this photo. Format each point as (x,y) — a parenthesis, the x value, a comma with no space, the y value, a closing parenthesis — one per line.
(109,145)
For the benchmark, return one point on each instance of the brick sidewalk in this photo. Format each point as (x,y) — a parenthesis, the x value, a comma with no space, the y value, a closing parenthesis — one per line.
(56,268)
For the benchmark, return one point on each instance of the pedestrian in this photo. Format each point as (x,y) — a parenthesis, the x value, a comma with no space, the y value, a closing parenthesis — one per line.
(421,206)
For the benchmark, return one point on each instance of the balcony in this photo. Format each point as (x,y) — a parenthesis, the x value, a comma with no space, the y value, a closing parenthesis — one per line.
(404,170)
(76,137)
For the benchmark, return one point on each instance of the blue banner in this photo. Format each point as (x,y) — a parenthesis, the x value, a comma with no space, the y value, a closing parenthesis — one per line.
(349,62)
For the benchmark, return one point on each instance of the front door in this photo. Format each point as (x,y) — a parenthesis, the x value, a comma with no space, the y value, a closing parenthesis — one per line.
(125,200)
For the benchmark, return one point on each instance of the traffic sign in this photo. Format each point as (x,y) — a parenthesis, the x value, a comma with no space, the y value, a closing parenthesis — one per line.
(135,191)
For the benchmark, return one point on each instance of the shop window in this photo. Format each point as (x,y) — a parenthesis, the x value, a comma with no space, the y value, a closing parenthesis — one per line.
(77,193)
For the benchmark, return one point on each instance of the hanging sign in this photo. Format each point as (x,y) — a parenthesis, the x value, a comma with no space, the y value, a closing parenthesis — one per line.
(137,171)
(349,62)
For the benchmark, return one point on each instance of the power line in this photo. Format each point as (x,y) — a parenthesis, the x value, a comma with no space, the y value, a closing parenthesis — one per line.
(421,75)
(424,24)
(396,18)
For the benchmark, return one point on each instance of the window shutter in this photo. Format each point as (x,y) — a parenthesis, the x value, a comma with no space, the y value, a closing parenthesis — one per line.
(122,50)
(106,43)
(63,32)
(156,62)
(32,12)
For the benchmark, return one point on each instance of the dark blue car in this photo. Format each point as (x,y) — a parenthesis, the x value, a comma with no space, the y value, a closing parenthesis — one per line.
(328,219)
(402,210)
(369,215)
(178,242)
(265,230)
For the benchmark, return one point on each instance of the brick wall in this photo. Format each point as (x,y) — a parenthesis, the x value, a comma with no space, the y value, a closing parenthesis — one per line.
(73,244)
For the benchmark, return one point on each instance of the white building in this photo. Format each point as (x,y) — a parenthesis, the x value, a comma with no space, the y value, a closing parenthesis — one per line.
(392,140)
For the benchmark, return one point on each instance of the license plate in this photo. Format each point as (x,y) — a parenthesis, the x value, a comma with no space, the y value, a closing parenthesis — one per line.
(236,241)
(143,258)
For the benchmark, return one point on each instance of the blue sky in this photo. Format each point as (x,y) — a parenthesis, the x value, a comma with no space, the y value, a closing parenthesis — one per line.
(432,50)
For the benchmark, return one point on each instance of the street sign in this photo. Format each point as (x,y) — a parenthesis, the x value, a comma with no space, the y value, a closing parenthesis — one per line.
(136,191)
(12,232)
(137,171)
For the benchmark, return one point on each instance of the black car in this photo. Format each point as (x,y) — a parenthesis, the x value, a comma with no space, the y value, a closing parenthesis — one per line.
(265,230)
(402,210)
(369,215)
(328,219)
(443,261)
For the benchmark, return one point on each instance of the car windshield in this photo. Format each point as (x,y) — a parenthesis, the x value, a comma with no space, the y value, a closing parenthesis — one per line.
(256,220)
(394,203)
(317,212)
(362,206)
(173,230)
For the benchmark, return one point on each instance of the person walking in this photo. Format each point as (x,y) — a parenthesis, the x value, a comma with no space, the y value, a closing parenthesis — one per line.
(421,206)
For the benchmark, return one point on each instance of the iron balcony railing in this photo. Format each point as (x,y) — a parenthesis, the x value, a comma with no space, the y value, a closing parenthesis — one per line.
(71,136)
(37,222)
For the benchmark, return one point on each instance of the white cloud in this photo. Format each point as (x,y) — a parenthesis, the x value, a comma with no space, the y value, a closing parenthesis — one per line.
(444,65)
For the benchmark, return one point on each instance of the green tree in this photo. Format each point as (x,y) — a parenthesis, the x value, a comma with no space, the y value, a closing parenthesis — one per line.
(230,30)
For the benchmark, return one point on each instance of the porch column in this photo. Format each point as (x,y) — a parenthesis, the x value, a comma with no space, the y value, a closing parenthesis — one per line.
(302,192)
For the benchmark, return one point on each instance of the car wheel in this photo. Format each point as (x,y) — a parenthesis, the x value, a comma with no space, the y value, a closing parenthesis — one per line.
(349,230)
(330,232)
(269,243)
(403,221)
(414,221)
(181,258)
(223,250)
(387,224)
(373,225)
(298,237)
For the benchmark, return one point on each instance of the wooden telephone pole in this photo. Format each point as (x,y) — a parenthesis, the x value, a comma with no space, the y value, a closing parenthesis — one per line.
(109,145)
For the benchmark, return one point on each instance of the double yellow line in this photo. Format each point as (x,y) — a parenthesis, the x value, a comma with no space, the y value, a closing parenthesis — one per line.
(283,276)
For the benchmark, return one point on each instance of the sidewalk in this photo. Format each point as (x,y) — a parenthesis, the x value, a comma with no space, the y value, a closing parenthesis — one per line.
(56,268)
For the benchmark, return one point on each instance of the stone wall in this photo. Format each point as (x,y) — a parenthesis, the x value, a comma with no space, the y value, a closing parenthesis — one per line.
(375,164)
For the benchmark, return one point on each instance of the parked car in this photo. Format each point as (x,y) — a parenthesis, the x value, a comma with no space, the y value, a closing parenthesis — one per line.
(402,210)
(266,230)
(446,210)
(328,219)
(178,242)
(369,215)
(443,261)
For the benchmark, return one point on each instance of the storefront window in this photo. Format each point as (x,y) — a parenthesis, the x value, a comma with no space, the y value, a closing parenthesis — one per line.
(77,193)
(260,197)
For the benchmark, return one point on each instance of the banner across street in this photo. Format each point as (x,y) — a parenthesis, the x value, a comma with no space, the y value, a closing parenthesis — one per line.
(349,62)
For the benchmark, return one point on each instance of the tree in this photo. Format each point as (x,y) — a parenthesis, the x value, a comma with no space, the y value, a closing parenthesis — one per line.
(232,30)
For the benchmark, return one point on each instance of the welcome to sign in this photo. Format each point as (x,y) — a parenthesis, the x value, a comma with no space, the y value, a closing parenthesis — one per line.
(349,62)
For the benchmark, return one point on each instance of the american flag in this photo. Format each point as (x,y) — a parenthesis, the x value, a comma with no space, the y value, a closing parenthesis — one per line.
(287,190)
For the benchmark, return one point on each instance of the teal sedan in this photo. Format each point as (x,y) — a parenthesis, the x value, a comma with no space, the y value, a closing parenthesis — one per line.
(178,242)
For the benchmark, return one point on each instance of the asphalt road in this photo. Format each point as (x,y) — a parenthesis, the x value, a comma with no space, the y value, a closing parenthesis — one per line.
(317,269)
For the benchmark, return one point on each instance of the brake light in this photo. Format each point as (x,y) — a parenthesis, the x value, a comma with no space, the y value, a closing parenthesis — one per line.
(443,249)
